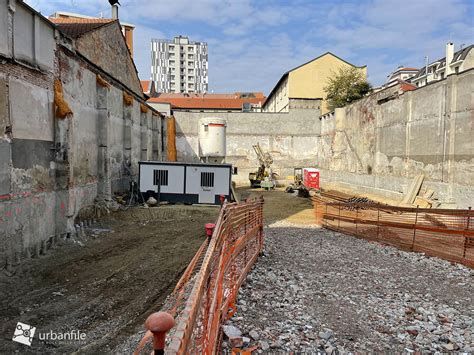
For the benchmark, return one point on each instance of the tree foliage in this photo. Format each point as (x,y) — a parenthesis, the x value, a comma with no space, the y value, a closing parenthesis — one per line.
(345,86)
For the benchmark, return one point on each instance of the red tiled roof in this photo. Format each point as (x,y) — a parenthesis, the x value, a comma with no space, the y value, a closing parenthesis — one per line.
(207,101)
(76,27)
(404,86)
(79,20)
(145,85)
(235,95)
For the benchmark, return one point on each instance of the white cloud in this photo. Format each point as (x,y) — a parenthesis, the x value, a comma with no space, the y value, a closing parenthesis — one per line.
(405,31)
(142,36)
(252,43)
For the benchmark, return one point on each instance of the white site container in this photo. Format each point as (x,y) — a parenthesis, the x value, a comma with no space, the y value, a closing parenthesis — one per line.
(185,182)
(212,139)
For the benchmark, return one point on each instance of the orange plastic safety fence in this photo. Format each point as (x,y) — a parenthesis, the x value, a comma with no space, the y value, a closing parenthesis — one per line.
(205,296)
(444,233)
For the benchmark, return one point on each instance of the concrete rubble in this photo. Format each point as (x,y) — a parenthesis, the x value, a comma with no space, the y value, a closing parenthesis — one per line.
(317,290)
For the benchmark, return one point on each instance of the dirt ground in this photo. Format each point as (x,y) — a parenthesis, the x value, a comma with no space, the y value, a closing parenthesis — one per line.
(104,285)
(280,206)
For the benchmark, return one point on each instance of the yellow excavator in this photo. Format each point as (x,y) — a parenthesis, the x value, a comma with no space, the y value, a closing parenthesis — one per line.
(264,176)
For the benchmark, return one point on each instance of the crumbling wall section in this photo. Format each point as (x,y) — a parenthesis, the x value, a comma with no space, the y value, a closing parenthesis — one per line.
(52,167)
(380,145)
(26,180)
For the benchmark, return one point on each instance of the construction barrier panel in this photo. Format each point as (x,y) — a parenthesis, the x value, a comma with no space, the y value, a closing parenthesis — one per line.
(444,233)
(205,296)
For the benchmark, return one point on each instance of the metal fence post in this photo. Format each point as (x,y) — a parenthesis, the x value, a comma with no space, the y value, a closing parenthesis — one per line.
(465,235)
(339,220)
(324,217)
(357,217)
(414,230)
(378,221)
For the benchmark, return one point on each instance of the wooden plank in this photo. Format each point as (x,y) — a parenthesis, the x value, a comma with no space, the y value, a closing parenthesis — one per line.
(234,194)
(414,189)
(423,202)
(428,193)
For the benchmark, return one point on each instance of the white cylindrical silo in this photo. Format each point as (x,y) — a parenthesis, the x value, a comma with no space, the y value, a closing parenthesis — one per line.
(212,140)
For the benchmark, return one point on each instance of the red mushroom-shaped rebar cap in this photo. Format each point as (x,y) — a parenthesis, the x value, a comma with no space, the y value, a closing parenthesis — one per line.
(159,322)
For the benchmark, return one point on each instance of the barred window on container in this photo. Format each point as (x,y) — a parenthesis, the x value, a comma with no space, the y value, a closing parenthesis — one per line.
(207,179)
(160,177)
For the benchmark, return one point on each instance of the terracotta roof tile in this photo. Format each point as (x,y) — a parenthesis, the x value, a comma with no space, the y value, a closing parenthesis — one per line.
(76,27)
(58,20)
(235,95)
(406,86)
(207,101)
(407,69)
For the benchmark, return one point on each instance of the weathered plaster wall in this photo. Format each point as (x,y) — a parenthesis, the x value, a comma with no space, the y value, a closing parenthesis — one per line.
(27,203)
(289,137)
(104,44)
(52,169)
(384,145)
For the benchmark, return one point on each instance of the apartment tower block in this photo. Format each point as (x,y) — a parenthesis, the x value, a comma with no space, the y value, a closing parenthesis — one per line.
(179,65)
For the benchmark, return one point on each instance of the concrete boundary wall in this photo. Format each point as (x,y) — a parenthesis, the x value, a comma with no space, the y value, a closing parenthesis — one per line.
(380,146)
(289,137)
(375,145)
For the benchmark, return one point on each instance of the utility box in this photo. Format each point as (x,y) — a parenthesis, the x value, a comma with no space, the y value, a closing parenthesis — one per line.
(311,178)
(191,183)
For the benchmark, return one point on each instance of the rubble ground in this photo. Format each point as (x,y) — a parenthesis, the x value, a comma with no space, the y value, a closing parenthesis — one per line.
(105,285)
(317,290)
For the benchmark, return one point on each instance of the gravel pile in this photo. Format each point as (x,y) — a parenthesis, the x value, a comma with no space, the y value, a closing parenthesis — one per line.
(316,290)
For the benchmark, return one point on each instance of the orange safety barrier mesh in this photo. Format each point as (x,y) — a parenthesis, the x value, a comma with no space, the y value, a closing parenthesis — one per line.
(444,233)
(204,298)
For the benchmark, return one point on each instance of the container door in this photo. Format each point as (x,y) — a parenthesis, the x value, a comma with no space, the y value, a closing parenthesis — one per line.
(207,194)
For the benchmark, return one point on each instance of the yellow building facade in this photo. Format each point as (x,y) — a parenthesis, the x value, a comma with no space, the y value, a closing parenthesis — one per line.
(306,81)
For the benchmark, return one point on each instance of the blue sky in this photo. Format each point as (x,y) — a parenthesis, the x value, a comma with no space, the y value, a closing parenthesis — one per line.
(252,43)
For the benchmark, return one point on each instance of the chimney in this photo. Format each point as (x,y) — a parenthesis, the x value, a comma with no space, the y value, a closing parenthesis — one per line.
(449,57)
(115,12)
(128,33)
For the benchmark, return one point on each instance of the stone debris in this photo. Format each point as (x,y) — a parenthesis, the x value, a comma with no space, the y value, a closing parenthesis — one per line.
(152,201)
(315,290)
(234,335)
